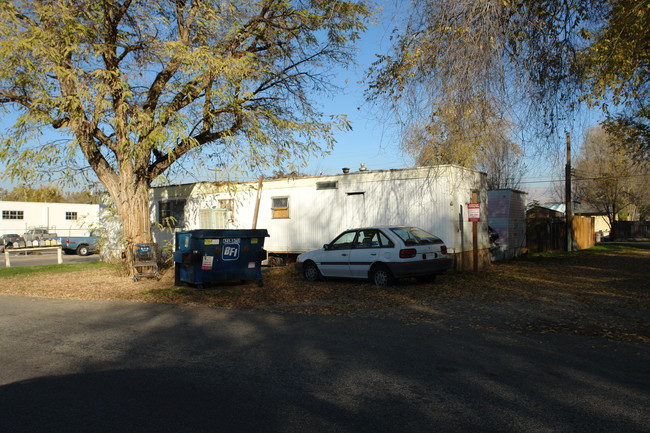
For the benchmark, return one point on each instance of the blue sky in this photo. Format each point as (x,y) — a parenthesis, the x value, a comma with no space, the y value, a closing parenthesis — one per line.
(375,141)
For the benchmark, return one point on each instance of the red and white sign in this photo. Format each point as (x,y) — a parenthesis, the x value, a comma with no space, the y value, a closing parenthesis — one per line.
(474,212)
(207,263)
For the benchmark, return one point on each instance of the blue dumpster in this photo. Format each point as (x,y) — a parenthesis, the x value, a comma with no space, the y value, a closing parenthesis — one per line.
(207,256)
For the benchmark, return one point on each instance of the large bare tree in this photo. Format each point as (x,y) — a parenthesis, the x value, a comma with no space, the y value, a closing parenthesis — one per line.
(468,67)
(140,84)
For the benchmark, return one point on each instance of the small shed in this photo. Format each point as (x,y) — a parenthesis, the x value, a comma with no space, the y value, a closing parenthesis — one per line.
(507,217)
(540,211)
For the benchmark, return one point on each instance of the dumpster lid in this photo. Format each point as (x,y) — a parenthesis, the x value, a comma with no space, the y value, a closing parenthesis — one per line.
(227,233)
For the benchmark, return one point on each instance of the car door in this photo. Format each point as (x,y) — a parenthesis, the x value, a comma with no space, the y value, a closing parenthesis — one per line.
(364,252)
(336,257)
(370,247)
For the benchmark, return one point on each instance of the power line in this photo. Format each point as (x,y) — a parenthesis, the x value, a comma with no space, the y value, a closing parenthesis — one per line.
(612,177)
(584,178)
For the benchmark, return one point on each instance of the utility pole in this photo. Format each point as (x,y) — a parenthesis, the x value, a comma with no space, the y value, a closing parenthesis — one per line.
(568,216)
(475,234)
(257,201)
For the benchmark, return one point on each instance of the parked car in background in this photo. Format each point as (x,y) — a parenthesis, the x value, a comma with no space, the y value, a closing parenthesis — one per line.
(381,254)
(39,235)
(11,240)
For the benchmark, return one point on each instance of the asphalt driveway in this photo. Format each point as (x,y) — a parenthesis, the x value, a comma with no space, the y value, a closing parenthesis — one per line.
(99,366)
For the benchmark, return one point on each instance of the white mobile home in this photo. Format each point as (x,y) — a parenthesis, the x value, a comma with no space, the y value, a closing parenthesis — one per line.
(65,219)
(303,213)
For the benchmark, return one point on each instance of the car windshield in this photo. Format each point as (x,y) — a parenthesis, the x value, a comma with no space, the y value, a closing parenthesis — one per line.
(343,242)
(415,236)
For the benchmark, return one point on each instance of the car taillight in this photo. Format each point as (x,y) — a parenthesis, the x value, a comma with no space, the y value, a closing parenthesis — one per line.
(407,253)
(443,249)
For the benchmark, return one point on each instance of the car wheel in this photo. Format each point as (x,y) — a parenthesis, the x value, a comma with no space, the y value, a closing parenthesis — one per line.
(82,250)
(311,272)
(381,276)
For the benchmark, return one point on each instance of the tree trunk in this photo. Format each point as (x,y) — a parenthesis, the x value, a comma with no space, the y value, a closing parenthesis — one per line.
(132,204)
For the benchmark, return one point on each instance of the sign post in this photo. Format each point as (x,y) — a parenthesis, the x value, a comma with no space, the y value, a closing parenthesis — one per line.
(474,216)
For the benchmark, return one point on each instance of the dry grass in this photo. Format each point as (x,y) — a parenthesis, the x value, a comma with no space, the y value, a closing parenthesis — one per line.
(603,294)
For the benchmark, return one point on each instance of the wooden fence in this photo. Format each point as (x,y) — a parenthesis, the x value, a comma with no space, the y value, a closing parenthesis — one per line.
(549,234)
(638,230)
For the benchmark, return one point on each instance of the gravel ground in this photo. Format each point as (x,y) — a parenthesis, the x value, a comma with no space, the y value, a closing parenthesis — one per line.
(603,293)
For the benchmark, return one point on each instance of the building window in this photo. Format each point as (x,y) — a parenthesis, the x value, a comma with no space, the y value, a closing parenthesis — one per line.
(12,215)
(71,216)
(213,218)
(280,207)
(171,213)
(326,185)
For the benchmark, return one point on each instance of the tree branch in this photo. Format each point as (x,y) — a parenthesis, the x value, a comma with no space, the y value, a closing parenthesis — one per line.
(164,161)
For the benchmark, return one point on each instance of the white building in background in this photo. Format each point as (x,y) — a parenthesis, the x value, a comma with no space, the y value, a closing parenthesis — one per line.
(64,219)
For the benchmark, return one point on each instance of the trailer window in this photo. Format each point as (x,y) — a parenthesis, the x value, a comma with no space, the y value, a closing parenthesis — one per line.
(227,203)
(326,185)
(171,213)
(280,207)
(71,216)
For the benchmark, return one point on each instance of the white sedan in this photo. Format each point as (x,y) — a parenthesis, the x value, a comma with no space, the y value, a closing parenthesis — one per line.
(381,254)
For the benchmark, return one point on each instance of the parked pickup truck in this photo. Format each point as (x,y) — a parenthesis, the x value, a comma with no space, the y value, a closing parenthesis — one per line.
(38,234)
(81,245)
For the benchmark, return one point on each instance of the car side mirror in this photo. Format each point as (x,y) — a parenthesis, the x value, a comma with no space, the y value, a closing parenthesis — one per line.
(326,246)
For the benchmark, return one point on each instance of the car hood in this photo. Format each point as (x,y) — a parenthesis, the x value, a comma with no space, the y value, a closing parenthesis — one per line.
(311,255)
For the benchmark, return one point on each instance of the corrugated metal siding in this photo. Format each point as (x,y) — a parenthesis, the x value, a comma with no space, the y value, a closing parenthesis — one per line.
(464,182)
(432,198)
(499,213)
(319,215)
(517,215)
(507,216)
